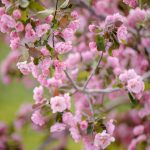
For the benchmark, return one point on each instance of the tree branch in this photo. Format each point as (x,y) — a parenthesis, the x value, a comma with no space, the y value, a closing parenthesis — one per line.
(93,72)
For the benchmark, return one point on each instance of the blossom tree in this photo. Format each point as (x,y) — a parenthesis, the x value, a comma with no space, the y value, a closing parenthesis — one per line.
(90,60)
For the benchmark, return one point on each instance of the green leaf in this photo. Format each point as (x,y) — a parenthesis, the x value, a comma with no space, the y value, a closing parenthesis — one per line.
(55,24)
(147,86)
(35,6)
(24,16)
(46,12)
(90,128)
(51,50)
(24,3)
(65,4)
(100,42)
(99,125)
(59,117)
(133,100)
(36,61)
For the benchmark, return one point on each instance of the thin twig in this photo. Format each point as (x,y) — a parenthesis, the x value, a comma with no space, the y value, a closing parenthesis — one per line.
(89,99)
(56,7)
(71,80)
(93,72)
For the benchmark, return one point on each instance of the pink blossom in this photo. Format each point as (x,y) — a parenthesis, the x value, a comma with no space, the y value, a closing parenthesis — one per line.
(131,3)
(14,35)
(2,11)
(6,2)
(17,14)
(37,118)
(75,134)
(45,51)
(138,130)
(60,103)
(19,27)
(135,85)
(67,100)
(38,93)
(74,14)
(111,19)
(53,82)
(28,27)
(110,126)
(127,75)
(23,67)
(74,25)
(30,35)
(83,125)
(122,34)
(136,16)
(58,127)
(68,119)
(8,20)
(92,28)
(102,140)
(15,44)
(63,47)
(67,34)
(49,19)
(42,29)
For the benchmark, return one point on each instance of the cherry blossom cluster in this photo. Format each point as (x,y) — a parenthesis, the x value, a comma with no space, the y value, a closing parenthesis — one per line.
(87,60)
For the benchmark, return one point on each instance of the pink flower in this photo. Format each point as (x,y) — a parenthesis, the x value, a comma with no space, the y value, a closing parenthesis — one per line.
(5,2)
(68,34)
(122,34)
(38,93)
(2,11)
(74,14)
(67,101)
(127,75)
(17,14)
(23,67)
(30,35)
(102,140)
(53,82)
(37,118)
(75,134)
(135,85)
(58,127)
(45,51)
(74,25)
(49,19)
(60,103)
(110,127)
(15,43)
(111,19)
(19,26)
(83,125)
(138,130)
(8,20)
(92,28)
(63,47)
(131,3)
(68,119)
(42,29)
